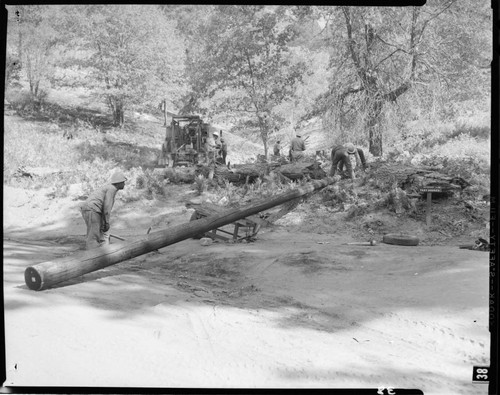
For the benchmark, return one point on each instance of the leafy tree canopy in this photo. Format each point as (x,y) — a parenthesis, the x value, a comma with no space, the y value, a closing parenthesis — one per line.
(244,65)
(128,54)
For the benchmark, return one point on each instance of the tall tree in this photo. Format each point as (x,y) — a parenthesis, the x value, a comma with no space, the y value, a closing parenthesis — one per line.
(128,54)
(244,65)
(31,30)
(378,54)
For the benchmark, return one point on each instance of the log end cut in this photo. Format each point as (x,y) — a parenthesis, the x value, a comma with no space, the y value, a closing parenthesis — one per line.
(33,279)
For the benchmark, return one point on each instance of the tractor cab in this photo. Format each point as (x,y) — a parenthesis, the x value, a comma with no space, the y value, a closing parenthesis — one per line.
(187,135)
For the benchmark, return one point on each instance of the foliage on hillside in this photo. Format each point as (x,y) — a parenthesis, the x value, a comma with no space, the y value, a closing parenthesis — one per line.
(244,66)
(365,72)
(127,55)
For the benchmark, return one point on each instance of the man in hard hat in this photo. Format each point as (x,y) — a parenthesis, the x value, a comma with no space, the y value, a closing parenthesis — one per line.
(211,147)
(297,148)
(96,211)
(349,157)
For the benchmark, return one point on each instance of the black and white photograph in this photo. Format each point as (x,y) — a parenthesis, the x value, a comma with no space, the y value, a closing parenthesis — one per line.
(260,196)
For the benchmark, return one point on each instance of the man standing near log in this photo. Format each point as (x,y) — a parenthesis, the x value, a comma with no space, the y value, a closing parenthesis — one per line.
(96,211)
(297,148)
(347,157)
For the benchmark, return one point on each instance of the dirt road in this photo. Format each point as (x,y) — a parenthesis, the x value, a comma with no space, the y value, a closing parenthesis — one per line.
(288,310)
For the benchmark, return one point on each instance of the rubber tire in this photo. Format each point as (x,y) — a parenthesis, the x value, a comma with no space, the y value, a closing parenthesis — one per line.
(400,239)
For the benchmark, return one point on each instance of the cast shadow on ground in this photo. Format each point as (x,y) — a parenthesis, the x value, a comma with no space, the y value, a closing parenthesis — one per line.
(126,154)
(203,277)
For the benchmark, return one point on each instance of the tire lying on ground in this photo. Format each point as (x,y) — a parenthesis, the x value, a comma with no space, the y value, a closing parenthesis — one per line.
(400,239)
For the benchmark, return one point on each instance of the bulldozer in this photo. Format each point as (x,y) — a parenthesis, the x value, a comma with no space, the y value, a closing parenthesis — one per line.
(187,137)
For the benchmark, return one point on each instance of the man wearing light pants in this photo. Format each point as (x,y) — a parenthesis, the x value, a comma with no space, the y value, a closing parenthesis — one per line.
(96,211)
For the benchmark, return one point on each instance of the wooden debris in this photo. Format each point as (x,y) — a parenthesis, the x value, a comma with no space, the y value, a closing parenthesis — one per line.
(412,178)
(298,170)
(47,274)
(400,202)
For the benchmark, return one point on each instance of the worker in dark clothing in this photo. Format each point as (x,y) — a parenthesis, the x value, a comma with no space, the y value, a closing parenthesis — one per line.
(165,154)
(223,150)
(277,148)
(96,211)
(347,157)
(297,148)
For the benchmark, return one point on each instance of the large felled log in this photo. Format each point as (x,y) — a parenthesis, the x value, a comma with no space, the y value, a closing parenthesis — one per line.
(240,174)
(243,173)
(50,273)
(285,209)
(207,209)
(299,170)
(223,173)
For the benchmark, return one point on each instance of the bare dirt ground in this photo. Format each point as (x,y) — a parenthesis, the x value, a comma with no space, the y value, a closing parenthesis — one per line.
(295,308)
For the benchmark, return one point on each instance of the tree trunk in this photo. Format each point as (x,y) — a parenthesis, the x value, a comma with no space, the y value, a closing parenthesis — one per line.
(264,133)
(165,111)
(46,274)
(374,128)
(117,109)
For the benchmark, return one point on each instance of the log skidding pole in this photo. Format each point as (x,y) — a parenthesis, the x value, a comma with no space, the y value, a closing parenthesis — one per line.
(46,274)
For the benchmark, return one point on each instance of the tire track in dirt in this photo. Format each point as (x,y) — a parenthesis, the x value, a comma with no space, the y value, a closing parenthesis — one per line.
(416,339)
(445,340)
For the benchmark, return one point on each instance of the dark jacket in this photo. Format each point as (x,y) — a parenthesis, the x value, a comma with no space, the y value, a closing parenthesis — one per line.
(341,156)
(276,149)
(297,144)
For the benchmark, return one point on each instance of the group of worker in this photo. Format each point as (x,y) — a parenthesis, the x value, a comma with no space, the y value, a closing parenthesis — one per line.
(346,158)
(96,210)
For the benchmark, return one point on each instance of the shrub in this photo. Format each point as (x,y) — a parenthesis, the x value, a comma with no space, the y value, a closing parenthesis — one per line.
(464,157)
(32,145)
(463,128)
(229,195)
(423,135)
(201,184)
(152,184)
(24,102)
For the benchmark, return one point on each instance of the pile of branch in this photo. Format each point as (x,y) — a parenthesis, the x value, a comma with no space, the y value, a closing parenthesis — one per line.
(412,178)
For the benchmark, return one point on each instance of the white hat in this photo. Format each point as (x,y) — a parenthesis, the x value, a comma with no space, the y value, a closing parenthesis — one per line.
(350,148)
(118,177)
